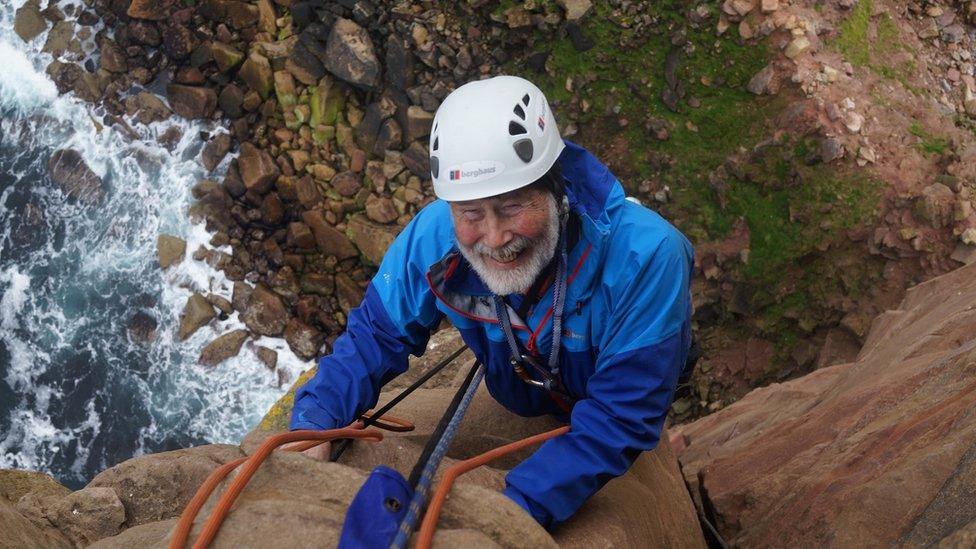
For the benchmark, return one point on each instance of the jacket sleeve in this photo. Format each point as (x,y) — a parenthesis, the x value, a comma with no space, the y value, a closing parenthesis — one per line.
(394,320)
(641,353)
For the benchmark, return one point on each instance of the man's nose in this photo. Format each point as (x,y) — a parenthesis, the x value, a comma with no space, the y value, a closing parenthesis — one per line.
(496,233)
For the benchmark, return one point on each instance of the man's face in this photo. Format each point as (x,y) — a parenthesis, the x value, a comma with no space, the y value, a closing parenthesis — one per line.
(508,239)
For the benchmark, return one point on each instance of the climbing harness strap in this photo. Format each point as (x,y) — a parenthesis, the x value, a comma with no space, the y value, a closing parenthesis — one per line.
(551,380)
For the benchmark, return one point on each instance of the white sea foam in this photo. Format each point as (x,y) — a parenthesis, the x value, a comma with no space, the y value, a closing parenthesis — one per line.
(61,300)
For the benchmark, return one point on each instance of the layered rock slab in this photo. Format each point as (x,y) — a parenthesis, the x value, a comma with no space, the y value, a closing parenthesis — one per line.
(873,453)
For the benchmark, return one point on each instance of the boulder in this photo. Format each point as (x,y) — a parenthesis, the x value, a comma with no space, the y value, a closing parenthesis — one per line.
(936,205)
(265,314)
(87,515)
(170,250)
(257,74)
(381,209)
(68,169)
(872,453)
(330,240)
(304,66)
(257,168)
(60,38)
(241,296)
(191,102)
(151,535)
(222,348)
(346,183)
(575,9)
(304,340)
(196,313)
(215,150)
(371,238)
(419,122)
(28,21)
(158,486)
(177,41)
(153,10)
(350,56)
(112,57)
(231,100)
(146,108)
(416,159)
(227,57)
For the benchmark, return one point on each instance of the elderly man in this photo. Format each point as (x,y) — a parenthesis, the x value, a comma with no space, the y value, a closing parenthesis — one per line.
(575,299)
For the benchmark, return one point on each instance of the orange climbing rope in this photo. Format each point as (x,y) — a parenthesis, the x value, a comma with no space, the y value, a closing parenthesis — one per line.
(427,527)
(304,440)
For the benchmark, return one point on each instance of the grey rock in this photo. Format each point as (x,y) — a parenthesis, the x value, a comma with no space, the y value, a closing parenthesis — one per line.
(350,56)
(191,102)
(77,180)
(28,21)
(215,150)
(196,313)
(170,250)
(257,169)
(763,82)
(222,348)
(146,108)
(265,313)
(371,238)
(304,340)
(328,238)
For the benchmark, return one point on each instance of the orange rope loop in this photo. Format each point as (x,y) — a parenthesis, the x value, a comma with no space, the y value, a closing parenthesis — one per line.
(426,534)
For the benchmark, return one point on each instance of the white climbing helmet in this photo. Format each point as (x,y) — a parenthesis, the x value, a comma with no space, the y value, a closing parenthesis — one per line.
(490,137)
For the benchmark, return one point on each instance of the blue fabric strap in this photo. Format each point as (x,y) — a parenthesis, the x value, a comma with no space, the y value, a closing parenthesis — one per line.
(375,513)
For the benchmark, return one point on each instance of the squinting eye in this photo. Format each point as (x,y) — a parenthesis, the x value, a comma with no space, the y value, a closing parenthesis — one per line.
(512,208)
(471,215)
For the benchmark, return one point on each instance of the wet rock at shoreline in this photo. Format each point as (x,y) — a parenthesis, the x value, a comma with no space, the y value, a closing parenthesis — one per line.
(142,327)
(170,250)
(268,357)
(146,108)
(257,74)
(222,348)
(28,21)
(265,313)
(67,168)
(215,150)
(191,102)
(196,314)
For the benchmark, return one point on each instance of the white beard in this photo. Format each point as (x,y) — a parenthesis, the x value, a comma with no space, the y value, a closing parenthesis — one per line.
(519,279)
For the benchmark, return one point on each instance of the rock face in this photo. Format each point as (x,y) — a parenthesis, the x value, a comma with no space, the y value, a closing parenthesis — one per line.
(76,179)
(28,21)
(874,453)
(158,486)
(197,313)
(349,55)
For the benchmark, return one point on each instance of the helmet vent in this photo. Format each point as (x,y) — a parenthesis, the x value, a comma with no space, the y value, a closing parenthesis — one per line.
(519,111)
(436,140)
(514,128)
(434,166)
(523,148)
(525,100)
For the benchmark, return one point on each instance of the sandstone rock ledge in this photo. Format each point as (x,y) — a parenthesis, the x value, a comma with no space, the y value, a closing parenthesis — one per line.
(875,453)
(294,499)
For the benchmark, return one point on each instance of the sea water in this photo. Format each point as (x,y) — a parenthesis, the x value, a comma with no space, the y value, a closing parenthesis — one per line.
(78,391)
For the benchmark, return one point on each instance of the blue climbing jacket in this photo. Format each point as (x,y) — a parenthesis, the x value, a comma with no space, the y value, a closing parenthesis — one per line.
(626,335)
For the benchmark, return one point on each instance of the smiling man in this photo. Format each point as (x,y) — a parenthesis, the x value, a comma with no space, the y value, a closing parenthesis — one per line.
(575,299)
